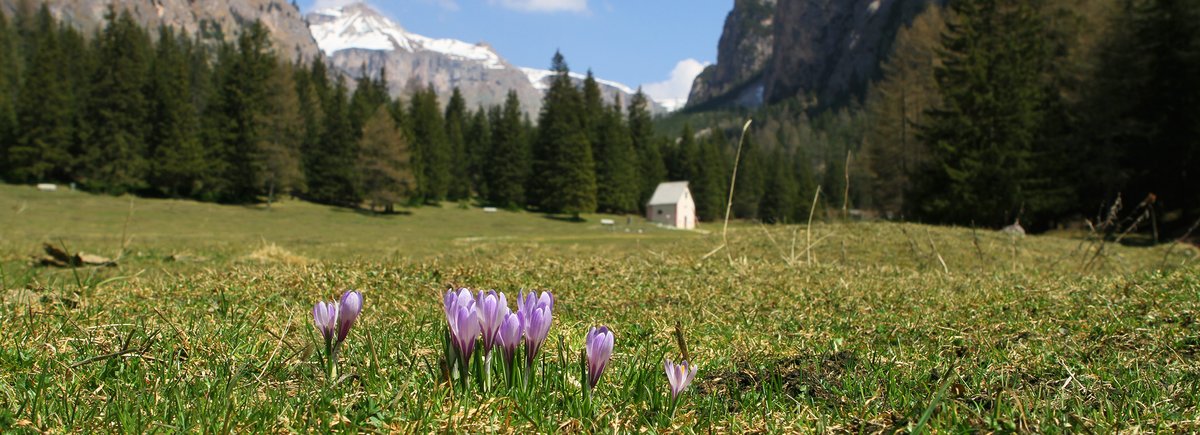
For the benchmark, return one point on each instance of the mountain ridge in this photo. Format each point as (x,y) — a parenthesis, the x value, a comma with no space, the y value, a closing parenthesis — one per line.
(355,36)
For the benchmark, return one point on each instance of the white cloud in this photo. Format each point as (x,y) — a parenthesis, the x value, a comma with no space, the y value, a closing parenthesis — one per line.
(579,6)
(673,92)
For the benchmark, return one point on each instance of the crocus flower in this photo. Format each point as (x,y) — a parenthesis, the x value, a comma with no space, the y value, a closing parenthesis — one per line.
(462,316)
(537,313)
(599,346)
(679,376)
(325,318)
(348,310)
(334,319)
(508,337)
(493,309)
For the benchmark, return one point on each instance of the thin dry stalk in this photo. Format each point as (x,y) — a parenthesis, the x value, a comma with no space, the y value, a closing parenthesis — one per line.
(945,269)
(808,228)
(737,158)
(846,194)
(975,240)
(1181,239)
(125,232)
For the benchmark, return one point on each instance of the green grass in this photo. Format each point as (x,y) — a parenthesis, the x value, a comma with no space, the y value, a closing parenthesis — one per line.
(866,332)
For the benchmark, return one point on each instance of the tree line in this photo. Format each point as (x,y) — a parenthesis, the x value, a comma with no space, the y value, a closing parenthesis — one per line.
(987,112)
(991,111)
(182,116)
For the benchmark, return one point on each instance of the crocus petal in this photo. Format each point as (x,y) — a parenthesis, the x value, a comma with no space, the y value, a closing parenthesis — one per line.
(324,315)
(598,346)
(348,311)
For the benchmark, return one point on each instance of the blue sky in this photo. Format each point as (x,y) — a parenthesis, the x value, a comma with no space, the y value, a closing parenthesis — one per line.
(659,44)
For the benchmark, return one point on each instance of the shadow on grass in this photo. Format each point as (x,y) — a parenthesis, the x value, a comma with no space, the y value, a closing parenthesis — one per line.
(564,218)
(372,213)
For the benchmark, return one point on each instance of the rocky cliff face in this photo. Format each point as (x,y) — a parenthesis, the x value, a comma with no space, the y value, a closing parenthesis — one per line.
(742,55)
(828,50)
(822,52)
(216,18)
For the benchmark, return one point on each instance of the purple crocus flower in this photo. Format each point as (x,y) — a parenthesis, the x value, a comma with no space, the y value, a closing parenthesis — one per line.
(508,337)
(537,315)
(679,376)
(493,308)
(599,347)
(334,319)
(462,316)
(325,318)
(348,309)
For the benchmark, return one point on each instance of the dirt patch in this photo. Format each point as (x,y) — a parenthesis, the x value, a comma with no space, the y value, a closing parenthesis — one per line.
(801,375)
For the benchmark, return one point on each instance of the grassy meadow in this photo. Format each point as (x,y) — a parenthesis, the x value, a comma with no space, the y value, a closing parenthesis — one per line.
(854,327)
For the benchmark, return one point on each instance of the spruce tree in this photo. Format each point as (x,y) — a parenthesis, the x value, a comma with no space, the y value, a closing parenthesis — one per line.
(651,169)
(478,148)
(748,190)
(244,73)
(508,163)
(432,149)
(593,108)
(710,185)
(564,174)
(312,92)
(617,189)
(45,133)
(1146,109)
(332,177)
(177,157)
(460,163)
(115,151)
(779,197)
(9,70)
(984,138)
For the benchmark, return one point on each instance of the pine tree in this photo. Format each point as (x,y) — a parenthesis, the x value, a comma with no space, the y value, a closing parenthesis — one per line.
(115,152)
(564,174)
(9,74)
(369,94)
(178,163)
(478,149)
(509,165)
(748,190)
(460,163)
(617,188)
(897,105)
(332,176)
(983,140)
(383,160)
(710,185)
(243,80)
(278,156)
(1145,111)
(312,92)
(779,197)
(651,169)
(45,133)
(432,149)
(593,108)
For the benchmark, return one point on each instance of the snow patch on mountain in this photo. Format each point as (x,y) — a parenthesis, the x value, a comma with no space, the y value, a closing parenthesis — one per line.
(541,78)
(358,27)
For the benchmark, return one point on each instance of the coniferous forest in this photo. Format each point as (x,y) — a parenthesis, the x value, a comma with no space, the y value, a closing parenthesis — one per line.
(984,113)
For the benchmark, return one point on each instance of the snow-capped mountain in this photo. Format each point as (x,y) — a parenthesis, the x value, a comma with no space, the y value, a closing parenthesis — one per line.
(356,36)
